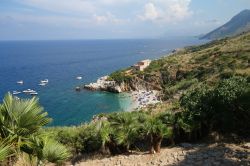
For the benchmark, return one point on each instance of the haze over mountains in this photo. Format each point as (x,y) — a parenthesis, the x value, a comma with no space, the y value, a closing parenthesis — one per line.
(237,25)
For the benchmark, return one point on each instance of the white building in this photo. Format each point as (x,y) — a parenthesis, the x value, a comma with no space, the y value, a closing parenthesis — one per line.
(142,65)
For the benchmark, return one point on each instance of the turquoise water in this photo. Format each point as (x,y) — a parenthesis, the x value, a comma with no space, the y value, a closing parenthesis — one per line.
(62,61)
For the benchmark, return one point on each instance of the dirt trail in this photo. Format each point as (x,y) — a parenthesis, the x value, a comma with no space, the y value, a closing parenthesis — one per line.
(186,155)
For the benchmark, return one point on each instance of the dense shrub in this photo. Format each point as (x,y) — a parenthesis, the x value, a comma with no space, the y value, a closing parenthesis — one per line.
(120,76)
(223,108)
(69,136)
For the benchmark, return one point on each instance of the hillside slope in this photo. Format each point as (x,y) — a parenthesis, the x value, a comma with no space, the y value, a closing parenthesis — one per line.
(237,25)
(188,68)
(205,93)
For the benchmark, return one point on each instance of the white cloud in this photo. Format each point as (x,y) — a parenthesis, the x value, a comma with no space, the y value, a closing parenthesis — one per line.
(107,18)
(166,10)
(154,10)
(95,15)
(150,12)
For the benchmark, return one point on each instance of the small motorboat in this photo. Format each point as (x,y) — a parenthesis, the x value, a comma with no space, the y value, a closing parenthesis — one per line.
(20,82)
(78,89)
(34,93)
(29,91)
(42,84)
(44,81)
(79,78)
(16,92)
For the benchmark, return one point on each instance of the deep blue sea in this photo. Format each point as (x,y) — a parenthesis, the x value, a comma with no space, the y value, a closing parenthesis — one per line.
(62,61)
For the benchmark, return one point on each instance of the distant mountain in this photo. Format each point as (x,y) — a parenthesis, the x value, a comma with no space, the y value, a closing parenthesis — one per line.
(237,25)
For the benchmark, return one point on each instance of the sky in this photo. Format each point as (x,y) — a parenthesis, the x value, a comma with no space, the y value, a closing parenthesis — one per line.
(112,19)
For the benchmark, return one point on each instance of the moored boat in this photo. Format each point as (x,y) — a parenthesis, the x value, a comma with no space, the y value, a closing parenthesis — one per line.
(42,84)
(34,93)
(16,92)
(44,81)
(20,82)
(79,78)
(29,91)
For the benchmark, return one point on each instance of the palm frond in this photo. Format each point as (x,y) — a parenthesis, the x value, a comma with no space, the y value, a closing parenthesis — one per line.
(5,150)
(54,152)
(22,117)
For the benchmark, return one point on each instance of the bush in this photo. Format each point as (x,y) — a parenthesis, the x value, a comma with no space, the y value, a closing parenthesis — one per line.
(182,85)
(224,108)
(120,76)
(70,138)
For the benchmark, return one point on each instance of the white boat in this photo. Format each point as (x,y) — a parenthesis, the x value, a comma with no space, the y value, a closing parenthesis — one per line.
(44,81)
(79,78)
(29,91)
(20,82)
(42,84)
(16,92)
(34,93)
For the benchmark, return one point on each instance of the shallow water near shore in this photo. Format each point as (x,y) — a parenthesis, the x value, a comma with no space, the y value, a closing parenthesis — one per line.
(62,61)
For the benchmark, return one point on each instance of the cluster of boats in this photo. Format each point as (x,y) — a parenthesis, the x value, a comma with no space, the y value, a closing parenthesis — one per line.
(30,91)
(33,92)
(27,91)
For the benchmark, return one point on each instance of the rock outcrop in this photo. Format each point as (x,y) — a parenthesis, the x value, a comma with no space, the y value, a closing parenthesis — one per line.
(135,84)
(105,85)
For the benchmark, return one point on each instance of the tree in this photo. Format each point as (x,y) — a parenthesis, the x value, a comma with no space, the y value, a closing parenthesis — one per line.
(20,123)
(104,129)
(223,108)
(125,127)
(155,129)
(169,119)
(21,118)
(53,151)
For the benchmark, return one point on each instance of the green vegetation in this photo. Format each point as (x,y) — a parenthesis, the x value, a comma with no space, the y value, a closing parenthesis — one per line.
(120,76)
(188,68)
(205,89)
(20,125)
(222,108)
(117,133)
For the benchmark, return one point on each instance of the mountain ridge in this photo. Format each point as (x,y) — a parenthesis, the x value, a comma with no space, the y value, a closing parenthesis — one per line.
(240,23)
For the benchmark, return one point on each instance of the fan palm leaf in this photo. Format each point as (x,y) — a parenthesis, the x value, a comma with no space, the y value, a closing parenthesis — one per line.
(22,117)
(54,152)
(6,149)
(5,152)
(126,128)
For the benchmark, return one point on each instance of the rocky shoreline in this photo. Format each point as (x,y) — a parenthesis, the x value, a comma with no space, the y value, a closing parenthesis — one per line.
(141,97)
(103,84)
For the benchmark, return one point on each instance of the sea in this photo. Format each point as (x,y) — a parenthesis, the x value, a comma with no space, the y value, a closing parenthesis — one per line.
(62,61)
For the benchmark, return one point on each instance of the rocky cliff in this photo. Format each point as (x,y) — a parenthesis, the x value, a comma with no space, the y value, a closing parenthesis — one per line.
(134,84)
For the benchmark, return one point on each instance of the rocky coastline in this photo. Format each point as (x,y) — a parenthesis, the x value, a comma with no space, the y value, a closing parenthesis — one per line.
(141,94)
(103,84)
